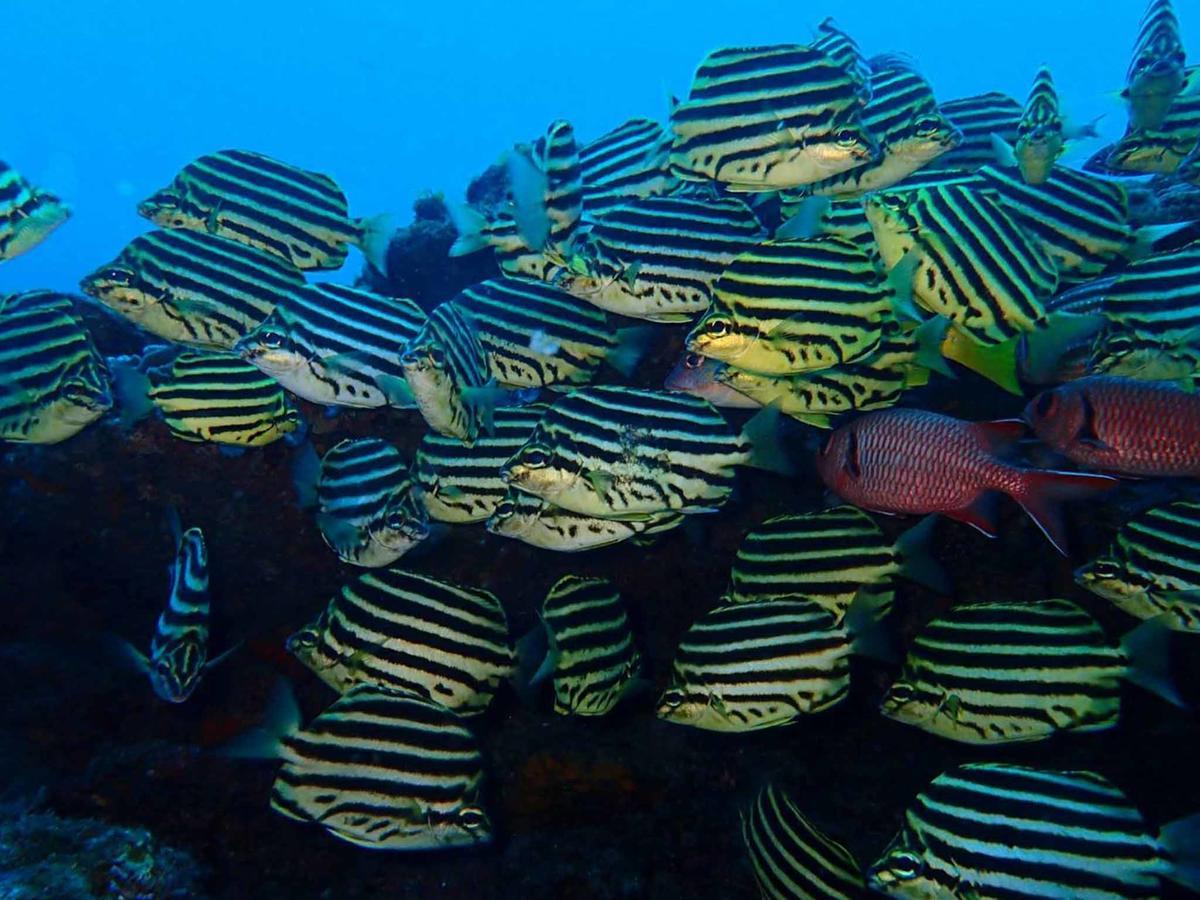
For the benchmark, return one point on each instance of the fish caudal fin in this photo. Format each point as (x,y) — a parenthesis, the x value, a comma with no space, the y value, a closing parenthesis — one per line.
(996,362)
(529,186)
(916,564)
(1181,840)
(1042,490)
(1147,648)
(282,718)
(306,471)
(632,344)
(131,388)
(470,225)
(375,237)
(766,448)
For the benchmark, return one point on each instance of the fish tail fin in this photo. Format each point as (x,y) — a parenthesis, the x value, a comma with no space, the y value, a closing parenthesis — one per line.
(1043,490)
(806,223)
(1181,840)
(632,344)
(529,186)
(375,237)
(1151,239)
(995,362)
(131,389)
(537,659)
(306,470)
(916,563)
(471,226)
(864,622)
(1090,129)
(1003,151)
(766,448)
(281,719)
(1147,648)
(929,336)
(1042,351)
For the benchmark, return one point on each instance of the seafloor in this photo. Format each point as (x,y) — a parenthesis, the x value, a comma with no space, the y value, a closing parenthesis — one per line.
(624,806)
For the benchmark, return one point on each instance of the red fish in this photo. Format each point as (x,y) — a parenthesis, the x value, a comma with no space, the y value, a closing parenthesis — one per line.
(914,461)
(1121,425)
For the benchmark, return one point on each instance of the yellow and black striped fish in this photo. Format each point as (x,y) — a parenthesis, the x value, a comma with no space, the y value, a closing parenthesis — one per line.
(656,258)
(791,306)
(621,165)
(534,335)
(791,858)
(367,509)
(27,214)
(296,215)
(981,119)
(445,367)
(193,288)
(828,557)
(1015,671)
(409,632)
(53,381)
(337,345)
(1157,73)
(765,118)
(541,524)
(965,258)
(1152,567)
(904,119)
(1160,150)
(380,769)
(999,830)
(747,666)
(844,50)
(1040,137)
(220,398)
(462,484)
(623,453)
(592,657)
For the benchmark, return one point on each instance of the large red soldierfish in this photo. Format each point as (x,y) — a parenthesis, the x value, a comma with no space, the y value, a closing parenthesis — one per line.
(914,461)
(1121,425)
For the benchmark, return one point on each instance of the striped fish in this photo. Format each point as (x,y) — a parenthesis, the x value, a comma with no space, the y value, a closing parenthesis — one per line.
(298,216)
(904,118)
(535,335)
(385,771)
(624,164)
(969,259)
(999,830)
(1010,672)
(1040,139)
(219,398)
(1161,150)
(656,258)
(1080,219)
(1156,72)
(461,484)
(336,345)
(827,558)
(747,666)
(193,288)
(792,306)
(53,382)
(367,510)
(541,524)
(179,648)
(978,118)
(791,858)
(622,453)
(445,367)
(409,632)
(765,118)
(845,52)
(592,656)
(876,381)
(1152,567)
(27,214)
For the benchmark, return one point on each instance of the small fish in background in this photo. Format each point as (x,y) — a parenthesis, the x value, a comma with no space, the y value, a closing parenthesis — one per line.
(625,453)
(771,117)
(541,524)
(337,346)
(299,216)
(27,214)
(1041,137)
(748,666)
(791,858)
(980,828)
(829,557)
(178,655)
(1152,568)
(1157,72)
(1121,425)
(1017,671)
(381,769)
(913,461)
(585,645)
(53,381)
(193,288)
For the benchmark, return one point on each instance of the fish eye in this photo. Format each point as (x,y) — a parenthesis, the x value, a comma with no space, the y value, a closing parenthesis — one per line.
(1046,403)
(536,457)
(927,125)
(716,327)
(504,509)
(272,339)
(901,693)
(847,138)
(693,361)
(905,864)
(437,356)
(302,640)
(472,818)
(396,521)
(673,698)
(117,275)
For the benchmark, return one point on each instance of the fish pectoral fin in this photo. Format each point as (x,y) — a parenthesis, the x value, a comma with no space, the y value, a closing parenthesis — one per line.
(599,482)
(217,660)
(1006,157)
(980,514)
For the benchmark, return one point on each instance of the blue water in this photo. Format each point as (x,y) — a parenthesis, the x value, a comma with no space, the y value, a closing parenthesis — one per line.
(106,101)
